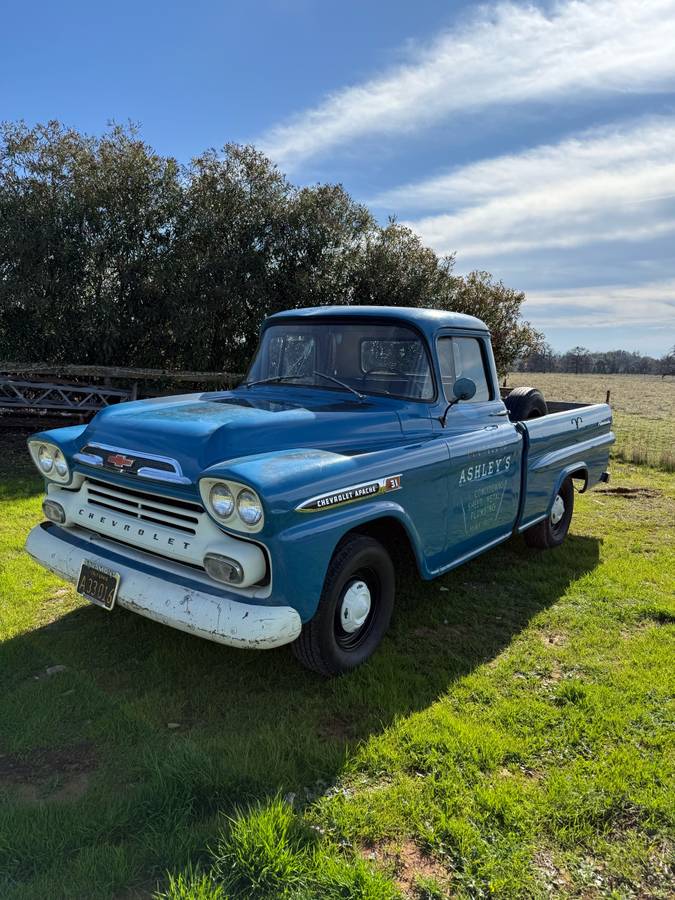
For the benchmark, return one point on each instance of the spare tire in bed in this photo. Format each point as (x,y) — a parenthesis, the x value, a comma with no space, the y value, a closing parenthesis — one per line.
(525,403)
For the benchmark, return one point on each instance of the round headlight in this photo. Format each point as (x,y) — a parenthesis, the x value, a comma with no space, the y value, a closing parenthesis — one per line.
(46,458)
(249,507)
(60,464)
(222,500)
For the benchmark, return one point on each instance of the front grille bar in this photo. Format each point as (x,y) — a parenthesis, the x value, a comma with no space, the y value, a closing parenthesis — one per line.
(182,515)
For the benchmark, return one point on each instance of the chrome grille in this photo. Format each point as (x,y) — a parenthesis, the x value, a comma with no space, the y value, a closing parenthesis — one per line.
(182,515)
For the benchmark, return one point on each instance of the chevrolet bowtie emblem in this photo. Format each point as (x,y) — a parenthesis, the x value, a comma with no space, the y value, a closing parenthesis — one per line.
(120,461)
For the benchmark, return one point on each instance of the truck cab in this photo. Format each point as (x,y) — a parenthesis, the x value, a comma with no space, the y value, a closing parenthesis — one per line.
(276,512)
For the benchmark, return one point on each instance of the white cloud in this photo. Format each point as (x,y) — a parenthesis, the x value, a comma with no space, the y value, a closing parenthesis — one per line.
(506,54)
(644,306)
(616,148)
(614,184)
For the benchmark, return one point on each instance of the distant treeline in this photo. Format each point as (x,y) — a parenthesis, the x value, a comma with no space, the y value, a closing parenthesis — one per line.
(113,254)
(580,361)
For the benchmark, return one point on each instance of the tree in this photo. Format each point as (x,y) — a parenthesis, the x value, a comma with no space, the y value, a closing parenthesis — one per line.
(111,253)
(84,227)
(500,308)
(222,253)
(667,363)
(394,268)
(542,359)
(577,360)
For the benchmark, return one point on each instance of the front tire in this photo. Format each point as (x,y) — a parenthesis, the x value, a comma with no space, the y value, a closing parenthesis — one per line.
(552,530)
(354,611)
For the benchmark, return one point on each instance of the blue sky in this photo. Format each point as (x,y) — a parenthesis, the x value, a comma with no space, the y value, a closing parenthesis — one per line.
(536,140)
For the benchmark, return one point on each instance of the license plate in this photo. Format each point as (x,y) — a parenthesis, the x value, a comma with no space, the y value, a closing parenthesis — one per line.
(97,584)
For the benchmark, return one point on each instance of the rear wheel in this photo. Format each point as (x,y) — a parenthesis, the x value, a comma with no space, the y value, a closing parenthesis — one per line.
(551,532)
(525,403)
(354,610)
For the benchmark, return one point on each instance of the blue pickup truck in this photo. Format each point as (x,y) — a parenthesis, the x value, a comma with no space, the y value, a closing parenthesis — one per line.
(276,513)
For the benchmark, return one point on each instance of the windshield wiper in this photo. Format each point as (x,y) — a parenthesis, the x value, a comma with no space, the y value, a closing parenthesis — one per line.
(347,387)
(277,379)
(274,379)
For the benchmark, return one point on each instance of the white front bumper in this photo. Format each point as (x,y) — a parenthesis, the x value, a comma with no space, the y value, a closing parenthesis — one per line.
(150,591)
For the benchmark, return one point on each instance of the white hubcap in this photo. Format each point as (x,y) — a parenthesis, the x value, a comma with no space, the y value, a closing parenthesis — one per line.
(355,606)
(557,510)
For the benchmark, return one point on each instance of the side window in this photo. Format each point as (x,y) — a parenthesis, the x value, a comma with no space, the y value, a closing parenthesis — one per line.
(461,357)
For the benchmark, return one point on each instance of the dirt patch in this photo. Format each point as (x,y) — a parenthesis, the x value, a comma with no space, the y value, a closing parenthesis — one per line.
(410,865)
(56,791)
(554,676)
(629,492)
(554,876)
(45,774)
(554,638)
(337,729)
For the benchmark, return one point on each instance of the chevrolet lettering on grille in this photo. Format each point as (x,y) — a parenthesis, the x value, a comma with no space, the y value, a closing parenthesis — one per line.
(135,530)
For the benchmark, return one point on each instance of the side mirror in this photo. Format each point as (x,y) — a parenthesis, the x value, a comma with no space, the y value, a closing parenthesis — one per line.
(464,389)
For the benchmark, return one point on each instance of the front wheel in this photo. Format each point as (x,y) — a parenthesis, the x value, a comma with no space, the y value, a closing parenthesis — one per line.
(552,530)
(354,610)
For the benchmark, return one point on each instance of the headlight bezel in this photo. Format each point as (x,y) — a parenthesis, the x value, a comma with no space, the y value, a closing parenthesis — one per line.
(234,519)
(57,468)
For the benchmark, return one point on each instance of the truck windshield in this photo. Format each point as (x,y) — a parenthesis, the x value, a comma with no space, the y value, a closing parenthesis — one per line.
(366,357)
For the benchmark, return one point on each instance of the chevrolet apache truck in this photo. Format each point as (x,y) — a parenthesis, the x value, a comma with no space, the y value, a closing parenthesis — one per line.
(276,513)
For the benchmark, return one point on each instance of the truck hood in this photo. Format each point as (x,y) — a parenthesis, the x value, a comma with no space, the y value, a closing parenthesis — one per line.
(201,430)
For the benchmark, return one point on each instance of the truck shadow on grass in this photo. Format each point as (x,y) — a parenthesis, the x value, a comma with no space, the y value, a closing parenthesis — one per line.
(181,729)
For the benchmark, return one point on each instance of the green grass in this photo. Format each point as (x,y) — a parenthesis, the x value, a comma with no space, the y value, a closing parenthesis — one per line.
(512,738)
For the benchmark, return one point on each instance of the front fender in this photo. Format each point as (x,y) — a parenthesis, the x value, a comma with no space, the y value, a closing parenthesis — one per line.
(67,439)
(302,552)
(408,483)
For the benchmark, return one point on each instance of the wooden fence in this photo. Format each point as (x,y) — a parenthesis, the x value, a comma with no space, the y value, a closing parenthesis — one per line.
(85,389)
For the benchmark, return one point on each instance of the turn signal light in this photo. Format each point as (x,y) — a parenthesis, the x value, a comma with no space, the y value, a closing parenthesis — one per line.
(223,568)
(54,511)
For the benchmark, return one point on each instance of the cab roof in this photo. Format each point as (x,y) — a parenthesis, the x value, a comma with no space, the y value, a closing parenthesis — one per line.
(428,320)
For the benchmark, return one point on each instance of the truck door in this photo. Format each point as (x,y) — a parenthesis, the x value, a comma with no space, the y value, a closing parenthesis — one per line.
(485,451)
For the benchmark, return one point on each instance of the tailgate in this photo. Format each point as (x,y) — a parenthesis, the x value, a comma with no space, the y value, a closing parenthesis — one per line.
(559,444)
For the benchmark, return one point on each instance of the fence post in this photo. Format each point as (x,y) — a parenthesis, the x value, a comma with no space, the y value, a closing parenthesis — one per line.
(607,397)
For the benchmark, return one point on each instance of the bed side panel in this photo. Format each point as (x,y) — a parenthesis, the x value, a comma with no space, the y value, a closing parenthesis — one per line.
(559,444)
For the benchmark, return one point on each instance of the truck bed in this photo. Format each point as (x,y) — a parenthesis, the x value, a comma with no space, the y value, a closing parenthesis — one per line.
(554,406)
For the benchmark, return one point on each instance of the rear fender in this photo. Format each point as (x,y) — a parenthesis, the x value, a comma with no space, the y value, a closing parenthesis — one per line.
(576,471)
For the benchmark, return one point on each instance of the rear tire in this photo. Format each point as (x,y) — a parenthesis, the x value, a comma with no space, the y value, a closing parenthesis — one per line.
(552,531)
(354,611)
(525,403)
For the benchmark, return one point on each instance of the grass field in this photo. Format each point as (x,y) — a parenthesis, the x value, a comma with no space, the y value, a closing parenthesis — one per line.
(643,405)
(512,738)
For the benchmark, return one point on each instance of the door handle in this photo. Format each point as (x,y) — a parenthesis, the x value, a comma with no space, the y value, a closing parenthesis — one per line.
(503,412)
